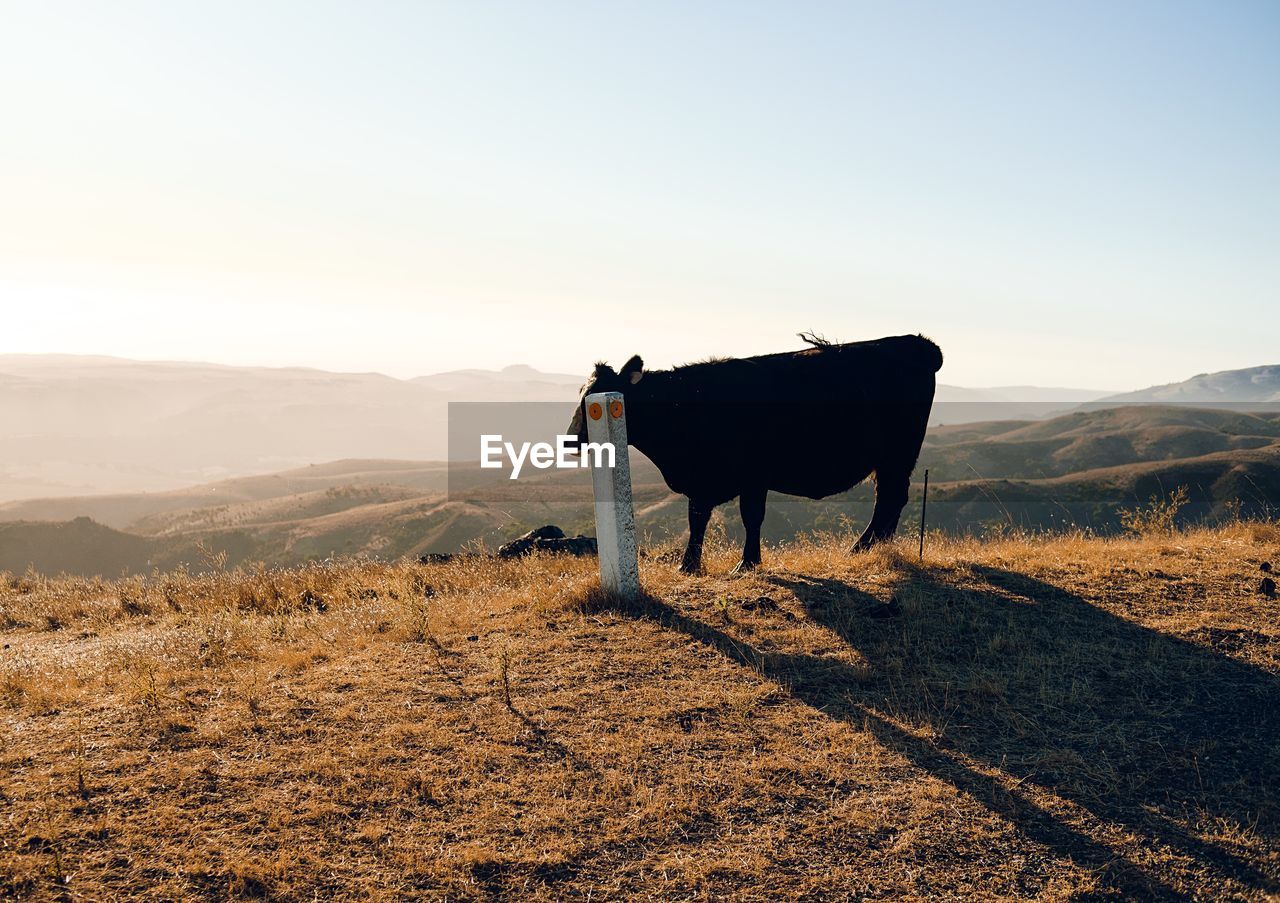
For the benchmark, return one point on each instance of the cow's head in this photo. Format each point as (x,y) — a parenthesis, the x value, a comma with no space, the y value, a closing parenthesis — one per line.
(604,379)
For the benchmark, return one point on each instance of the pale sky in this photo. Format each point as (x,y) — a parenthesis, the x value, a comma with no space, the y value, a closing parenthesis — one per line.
(1060,194)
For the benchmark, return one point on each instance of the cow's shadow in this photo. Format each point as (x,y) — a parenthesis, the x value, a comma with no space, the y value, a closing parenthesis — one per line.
(1133,727)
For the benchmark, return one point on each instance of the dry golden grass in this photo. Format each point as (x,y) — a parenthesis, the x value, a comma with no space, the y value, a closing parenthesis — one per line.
(1053,718)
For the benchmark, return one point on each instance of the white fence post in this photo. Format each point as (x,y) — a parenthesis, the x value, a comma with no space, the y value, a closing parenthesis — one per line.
(615,522)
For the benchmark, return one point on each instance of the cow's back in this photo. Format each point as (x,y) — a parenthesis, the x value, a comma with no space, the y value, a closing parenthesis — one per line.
(810,423)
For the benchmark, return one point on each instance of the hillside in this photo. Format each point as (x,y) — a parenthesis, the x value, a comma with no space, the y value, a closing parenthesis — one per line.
(155,511)
(1084,441)
(1076,470)
(1249,386)
(1058,718)
(78,546)
(1219,486)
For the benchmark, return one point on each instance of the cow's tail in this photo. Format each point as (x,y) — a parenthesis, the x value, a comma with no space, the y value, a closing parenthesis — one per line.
(930,354)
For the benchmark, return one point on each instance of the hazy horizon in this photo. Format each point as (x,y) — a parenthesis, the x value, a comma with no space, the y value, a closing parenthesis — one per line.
(1078,195)
(513,365)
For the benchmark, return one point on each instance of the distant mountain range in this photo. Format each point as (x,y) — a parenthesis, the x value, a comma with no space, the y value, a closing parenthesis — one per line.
(1254,385)
(74,425)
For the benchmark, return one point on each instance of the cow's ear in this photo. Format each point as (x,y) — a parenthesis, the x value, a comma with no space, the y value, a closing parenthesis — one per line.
(633,370)
(602,370)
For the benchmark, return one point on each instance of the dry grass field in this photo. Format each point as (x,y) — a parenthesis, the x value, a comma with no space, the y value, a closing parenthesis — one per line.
(1053,718)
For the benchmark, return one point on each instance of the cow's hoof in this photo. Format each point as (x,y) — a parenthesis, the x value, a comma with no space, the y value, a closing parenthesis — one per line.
(744,566)
(692,570)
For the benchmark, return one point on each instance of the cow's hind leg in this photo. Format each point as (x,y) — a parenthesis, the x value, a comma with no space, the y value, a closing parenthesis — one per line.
(699,515)
(891,497)
(751,503)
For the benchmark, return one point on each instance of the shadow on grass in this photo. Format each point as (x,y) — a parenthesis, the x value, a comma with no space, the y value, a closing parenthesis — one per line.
(1141,730)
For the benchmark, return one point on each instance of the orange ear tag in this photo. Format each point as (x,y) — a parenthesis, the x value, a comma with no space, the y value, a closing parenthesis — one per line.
(615,409)
(594,411)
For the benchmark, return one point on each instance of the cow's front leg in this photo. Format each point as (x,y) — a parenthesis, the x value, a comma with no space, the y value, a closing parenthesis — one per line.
(699,515)
(751,503)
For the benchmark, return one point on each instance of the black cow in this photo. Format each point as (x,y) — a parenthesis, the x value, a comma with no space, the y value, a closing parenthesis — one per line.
(810,423)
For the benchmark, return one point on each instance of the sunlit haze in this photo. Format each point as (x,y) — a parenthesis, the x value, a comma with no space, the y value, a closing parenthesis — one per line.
(1074,194)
